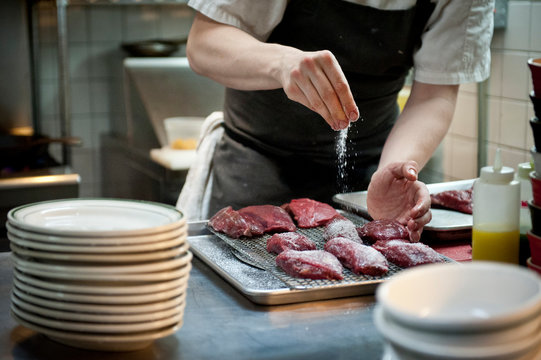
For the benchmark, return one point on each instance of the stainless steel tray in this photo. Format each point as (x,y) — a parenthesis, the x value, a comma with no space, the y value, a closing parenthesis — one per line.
(445,224)
(262,286)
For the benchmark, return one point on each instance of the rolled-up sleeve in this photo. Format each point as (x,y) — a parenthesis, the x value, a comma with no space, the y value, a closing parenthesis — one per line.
(257,18)
(456,44)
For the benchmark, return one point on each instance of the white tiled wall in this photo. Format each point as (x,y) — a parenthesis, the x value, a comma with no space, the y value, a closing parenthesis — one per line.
(509,107)
(95,34)
(95,58)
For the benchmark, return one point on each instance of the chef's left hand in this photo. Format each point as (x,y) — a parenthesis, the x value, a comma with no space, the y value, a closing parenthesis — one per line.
(395,193)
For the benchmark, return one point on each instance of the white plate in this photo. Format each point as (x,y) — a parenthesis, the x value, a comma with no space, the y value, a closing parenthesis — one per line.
(507,350)
(133,277)
(102,299)
(29,243)
(113,342)
(91,287)
(131,268)
(96,217)
(98,241)
(96,318)
(100,258)
(103,328)
(99,308)
(442,220)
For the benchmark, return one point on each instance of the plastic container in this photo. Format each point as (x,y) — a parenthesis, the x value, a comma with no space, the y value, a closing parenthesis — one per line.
(496,214)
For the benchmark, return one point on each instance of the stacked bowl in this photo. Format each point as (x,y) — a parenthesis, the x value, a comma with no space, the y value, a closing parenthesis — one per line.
(100,274)
(479,310)
(534,205)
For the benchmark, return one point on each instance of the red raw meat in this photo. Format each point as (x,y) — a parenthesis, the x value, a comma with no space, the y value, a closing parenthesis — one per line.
(340,226)
(310,264)
(272,218)
(383,229)
(230,222)
(310,213)
(459,200)
(359,258)
(406,254)
(289,240)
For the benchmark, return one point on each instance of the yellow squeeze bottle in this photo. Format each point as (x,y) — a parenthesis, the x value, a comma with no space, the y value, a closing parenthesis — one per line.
(496,214)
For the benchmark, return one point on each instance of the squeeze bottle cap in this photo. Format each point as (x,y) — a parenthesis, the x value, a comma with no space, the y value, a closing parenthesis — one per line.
(497,174)
(524,170)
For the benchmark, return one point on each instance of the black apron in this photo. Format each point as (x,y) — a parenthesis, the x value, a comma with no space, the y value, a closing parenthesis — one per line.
(275,149)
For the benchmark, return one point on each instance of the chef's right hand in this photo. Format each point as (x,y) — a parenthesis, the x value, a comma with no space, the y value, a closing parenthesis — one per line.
(316,80)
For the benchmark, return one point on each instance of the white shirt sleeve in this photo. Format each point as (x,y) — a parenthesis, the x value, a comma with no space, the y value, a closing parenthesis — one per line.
(456,45)
(258,17)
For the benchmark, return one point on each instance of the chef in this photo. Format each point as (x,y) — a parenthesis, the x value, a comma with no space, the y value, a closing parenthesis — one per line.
(302,75)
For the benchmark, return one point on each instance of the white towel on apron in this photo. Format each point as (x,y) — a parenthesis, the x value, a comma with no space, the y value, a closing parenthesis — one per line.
(194,197)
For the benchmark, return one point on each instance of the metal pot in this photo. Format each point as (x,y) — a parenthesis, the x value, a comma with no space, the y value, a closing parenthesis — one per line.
(22,152)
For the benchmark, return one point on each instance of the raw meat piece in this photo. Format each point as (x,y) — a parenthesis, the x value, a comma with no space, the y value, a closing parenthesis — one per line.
(459,200)
(341,226)
(272,218)
(230,222)
(383,229)
(310,264)
(310,213)
(359,258)
(289,240)
(406,254)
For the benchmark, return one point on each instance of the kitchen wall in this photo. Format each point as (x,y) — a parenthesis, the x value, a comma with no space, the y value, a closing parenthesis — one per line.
(95,34)
(508,105)
(95,58)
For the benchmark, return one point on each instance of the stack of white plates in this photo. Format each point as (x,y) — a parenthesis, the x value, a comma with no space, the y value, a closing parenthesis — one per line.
(101,274)
(480,310)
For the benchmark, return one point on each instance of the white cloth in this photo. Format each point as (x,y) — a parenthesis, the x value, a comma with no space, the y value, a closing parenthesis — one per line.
(194,197)
(456,41)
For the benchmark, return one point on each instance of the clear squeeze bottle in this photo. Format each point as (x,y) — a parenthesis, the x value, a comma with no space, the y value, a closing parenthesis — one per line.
(496,208)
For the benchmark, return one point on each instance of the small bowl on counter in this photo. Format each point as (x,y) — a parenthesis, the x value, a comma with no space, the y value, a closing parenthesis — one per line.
(483,310)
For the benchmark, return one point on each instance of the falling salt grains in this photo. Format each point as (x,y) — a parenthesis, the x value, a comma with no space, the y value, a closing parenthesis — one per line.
(341,145)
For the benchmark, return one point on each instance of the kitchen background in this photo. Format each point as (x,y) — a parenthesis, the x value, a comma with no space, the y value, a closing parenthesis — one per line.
(98,89)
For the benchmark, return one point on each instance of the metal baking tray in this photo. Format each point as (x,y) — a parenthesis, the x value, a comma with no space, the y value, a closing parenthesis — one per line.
(445,224)
(271,286)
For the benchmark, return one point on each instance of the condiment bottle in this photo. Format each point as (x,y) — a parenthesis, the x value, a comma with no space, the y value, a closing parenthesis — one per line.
(523,176)
(496,205)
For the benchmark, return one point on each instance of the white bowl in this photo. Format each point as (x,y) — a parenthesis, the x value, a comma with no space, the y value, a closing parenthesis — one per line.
(102,299)
(104,309)
(468,297)
(138,278)
(101,342)
(30,243)
(84,269)
(459,340)
(418,347)
(99,258)
(96,318)
(96,217)
(96,287)
(99,241)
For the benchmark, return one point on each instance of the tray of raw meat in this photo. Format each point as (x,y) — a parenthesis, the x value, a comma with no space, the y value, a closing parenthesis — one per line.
(307,250)
(451,209)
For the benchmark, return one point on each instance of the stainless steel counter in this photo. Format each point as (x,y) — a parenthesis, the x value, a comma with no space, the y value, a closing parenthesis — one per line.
(220,323)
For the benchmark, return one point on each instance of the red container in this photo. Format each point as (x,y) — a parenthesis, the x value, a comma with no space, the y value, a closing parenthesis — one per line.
(533,267)
(536,189)
(535,68)
(535,247)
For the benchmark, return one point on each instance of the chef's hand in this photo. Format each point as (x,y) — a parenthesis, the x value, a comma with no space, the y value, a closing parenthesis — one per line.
(395,193)
(316,80)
